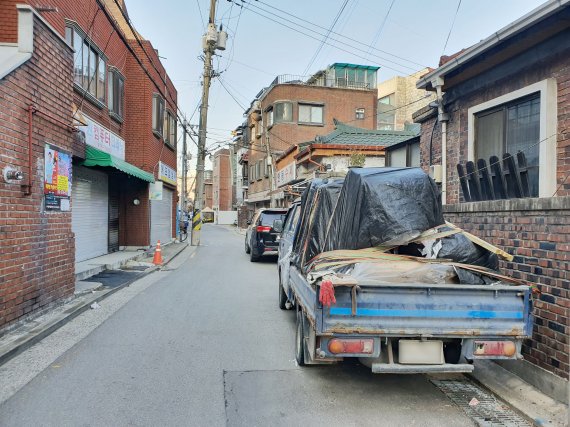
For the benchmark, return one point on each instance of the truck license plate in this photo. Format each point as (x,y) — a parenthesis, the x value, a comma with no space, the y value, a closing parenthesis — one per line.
(416,352)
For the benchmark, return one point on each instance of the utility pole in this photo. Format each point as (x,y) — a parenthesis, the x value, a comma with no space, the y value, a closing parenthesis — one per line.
(183,201)
(211,41)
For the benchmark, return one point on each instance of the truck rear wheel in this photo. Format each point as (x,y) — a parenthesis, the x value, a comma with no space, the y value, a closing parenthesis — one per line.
(300,340)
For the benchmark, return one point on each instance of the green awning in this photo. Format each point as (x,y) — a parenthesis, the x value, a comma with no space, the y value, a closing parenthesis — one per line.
(95,157)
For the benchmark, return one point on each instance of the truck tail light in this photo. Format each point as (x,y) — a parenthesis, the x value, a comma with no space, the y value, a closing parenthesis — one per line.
(495,348)
(351,346)
(263,229)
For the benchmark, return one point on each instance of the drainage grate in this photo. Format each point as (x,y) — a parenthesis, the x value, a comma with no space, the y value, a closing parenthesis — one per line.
(488,412)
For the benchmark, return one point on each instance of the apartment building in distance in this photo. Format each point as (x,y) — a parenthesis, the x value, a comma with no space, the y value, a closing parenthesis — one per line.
(292,110)
(398,99)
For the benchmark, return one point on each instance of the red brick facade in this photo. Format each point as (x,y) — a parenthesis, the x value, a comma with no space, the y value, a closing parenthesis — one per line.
(222,181)
(338,103)
(36,246)
(535,230)
(37,254)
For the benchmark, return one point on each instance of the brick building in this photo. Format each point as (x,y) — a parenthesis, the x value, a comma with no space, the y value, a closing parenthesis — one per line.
(222,191)
(510,93)
(37,245)
(100,136)
(291,111)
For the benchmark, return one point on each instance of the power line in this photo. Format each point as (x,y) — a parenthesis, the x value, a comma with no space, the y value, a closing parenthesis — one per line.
(335,20)
(313,24)
(452,24)
(379,32)
(505,158)
(201,16)
(229,93)
(318,35)
(179,113)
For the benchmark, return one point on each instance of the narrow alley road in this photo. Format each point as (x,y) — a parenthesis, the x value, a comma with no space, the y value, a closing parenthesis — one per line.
(206,345)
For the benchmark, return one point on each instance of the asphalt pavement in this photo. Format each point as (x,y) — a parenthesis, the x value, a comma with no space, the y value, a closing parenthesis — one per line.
(202,343)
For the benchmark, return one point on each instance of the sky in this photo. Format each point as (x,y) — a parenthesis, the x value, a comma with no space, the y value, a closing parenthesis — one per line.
(405,35)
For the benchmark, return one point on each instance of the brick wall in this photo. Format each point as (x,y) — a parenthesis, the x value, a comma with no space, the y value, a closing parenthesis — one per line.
(340,104)
(36,247)
(146,148)
(537,233)
(222,181)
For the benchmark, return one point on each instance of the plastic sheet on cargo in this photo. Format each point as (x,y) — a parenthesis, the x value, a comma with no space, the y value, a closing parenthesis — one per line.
(317,204)
(386,272)
(383,206)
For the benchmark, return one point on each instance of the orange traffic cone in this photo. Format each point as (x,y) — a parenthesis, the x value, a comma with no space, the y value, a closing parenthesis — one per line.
(157,260)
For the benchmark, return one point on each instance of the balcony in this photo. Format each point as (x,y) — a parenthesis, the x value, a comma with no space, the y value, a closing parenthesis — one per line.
(321,80)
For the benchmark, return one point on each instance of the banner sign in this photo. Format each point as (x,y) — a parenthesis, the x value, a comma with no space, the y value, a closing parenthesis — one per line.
(57,179)
(103,139)
(166,173)
(287,174)
(155,190)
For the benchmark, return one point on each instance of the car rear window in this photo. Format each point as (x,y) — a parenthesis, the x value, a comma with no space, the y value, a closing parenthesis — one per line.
(267,218)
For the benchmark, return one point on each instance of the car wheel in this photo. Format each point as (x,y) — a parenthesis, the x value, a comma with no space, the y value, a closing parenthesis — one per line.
(282,296)
(247,249)
(300,340)
(252,256)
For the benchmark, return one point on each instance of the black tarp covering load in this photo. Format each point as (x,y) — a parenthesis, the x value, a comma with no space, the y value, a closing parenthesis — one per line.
(459,248)
(389,206)
(317,204)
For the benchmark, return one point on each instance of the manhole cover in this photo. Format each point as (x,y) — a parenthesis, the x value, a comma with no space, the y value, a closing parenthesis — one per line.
(480,405)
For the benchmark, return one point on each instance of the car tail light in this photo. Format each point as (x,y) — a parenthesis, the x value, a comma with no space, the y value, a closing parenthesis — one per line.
(495,348)
(351,346)
(263,229)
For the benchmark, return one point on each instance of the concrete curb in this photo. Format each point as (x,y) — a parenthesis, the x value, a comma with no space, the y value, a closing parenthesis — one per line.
(39,332)
(528,401)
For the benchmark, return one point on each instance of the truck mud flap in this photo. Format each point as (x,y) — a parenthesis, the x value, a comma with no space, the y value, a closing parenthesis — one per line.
(396,368)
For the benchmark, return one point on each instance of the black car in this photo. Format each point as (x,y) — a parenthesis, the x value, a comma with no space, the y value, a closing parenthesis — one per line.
(261,238)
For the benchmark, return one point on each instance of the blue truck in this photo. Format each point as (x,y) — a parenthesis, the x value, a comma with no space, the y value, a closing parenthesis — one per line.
(396,313)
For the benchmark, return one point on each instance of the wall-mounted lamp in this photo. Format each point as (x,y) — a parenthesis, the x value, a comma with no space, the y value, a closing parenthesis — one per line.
(136,202)
(12,175)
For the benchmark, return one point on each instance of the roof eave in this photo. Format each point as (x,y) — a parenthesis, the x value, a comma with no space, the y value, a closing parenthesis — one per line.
(533,17)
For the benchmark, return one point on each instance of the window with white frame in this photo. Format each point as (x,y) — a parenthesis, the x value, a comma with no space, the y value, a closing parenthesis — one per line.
(510,128)
(309,113)
(116,93)
(89,63)
(359,114)
(386,112)
(282,112)
(270,117)
(157,114)
(524,120)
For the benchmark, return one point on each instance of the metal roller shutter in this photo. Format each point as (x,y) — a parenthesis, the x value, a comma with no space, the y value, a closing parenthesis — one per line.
(90,212)
(161,218)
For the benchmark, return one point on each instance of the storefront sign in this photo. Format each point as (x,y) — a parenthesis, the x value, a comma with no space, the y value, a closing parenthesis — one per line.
(103,139)
(166,173)
(57,179)
(287,174)
(155,190)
